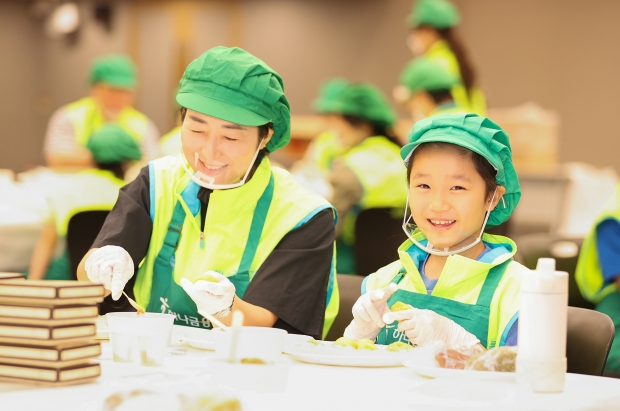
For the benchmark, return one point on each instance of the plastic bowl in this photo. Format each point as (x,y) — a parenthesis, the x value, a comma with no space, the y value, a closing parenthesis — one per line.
(261,343)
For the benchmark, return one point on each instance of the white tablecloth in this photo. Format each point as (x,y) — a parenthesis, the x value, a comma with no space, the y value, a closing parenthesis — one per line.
(292,385)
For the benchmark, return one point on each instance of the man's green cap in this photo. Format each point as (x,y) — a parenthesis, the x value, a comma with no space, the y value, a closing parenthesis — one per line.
(422,74)
(112,144)
(233,85)
(480,135)
(114,71)
(440,14)
(364,101)
(328,95)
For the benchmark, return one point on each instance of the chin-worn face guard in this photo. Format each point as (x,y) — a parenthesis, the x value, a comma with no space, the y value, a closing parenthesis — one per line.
(409,227)
(209,182)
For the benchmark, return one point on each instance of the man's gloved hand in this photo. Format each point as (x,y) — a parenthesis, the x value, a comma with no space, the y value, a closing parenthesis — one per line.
(213,296)
(111,266)
(425,326)
(368,311)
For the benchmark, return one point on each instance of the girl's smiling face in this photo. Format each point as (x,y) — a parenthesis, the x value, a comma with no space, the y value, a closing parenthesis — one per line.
(448,196)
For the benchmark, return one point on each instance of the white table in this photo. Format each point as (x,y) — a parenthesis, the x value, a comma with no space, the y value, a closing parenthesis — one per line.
(293,385)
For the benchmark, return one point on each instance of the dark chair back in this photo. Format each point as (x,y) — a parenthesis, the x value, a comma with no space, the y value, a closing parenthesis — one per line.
(349,287)
(589,338)
(564,250)
(378,234)
(81,234)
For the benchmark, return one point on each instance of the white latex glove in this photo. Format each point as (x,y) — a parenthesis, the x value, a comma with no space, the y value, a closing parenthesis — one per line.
(423,327)
(111,266)
(211,297)
(368,311)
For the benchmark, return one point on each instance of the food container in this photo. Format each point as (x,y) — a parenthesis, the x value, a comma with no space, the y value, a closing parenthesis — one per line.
(140,338)
(265,344)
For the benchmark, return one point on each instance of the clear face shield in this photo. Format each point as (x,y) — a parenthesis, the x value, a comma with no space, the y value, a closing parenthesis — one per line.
(470,238)
(210,182)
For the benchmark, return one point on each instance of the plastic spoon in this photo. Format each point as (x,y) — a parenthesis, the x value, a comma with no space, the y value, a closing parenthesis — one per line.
(213,320)
(237,322)
(134,304)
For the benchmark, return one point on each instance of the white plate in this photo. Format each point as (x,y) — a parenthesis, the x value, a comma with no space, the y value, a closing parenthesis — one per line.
(102,335)
(202,344)
(438,372)
(357,358)
(195,337)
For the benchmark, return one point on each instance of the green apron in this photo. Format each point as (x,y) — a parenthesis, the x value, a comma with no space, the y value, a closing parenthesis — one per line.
(474,318)
(169,297)
(610,305)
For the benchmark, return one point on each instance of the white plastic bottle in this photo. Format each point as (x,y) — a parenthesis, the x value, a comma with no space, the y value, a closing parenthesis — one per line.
(541,359)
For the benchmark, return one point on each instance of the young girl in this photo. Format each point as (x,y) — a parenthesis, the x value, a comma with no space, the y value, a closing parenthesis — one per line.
(462,283)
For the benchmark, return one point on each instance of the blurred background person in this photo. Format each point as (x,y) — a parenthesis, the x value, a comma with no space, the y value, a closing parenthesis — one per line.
(113,81)
(432,35)
(312,169)
(598,271)
(368,173)
(112,149)
(425,89)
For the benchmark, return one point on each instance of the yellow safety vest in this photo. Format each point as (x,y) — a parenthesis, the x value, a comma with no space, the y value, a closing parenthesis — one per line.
(227,225)
(323,150)
(474,101)
(589,274)
(461,280)
(86,118)
(88,190)
(377,164)
(170,144)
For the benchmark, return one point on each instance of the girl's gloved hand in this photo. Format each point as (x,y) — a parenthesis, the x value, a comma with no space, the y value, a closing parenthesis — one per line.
(423,327)
(111,266)
(214,296)
(368,311)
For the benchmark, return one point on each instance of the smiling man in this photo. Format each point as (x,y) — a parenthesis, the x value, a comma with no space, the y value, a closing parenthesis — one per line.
(217,228)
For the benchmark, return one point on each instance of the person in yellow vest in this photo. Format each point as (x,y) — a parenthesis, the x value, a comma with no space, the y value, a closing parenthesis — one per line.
(432,35)
(217,228)
(598,271)
(425,89)
(368,173)
(462,284)
(112,149)
(312,169)
(170,143)
(113,81)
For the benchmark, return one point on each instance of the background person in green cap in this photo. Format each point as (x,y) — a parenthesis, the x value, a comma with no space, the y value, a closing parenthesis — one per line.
(425,89)
(432,35)
(312,170)
(113,80)
(218,228)
(368,173)
(463,285)
(112,150)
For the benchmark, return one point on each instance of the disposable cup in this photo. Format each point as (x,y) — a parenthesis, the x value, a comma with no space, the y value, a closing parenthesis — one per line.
(140,338)
(262,343)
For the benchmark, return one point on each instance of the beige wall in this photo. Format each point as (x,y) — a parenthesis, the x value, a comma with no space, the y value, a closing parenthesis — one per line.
(21,117)
(558,53)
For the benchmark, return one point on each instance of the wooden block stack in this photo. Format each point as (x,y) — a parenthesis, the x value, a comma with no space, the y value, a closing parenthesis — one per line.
(47,331)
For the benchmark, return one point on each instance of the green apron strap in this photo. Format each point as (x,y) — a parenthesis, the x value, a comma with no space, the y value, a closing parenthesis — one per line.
(399,276)
(256,229)
(171,240)
(490,284)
